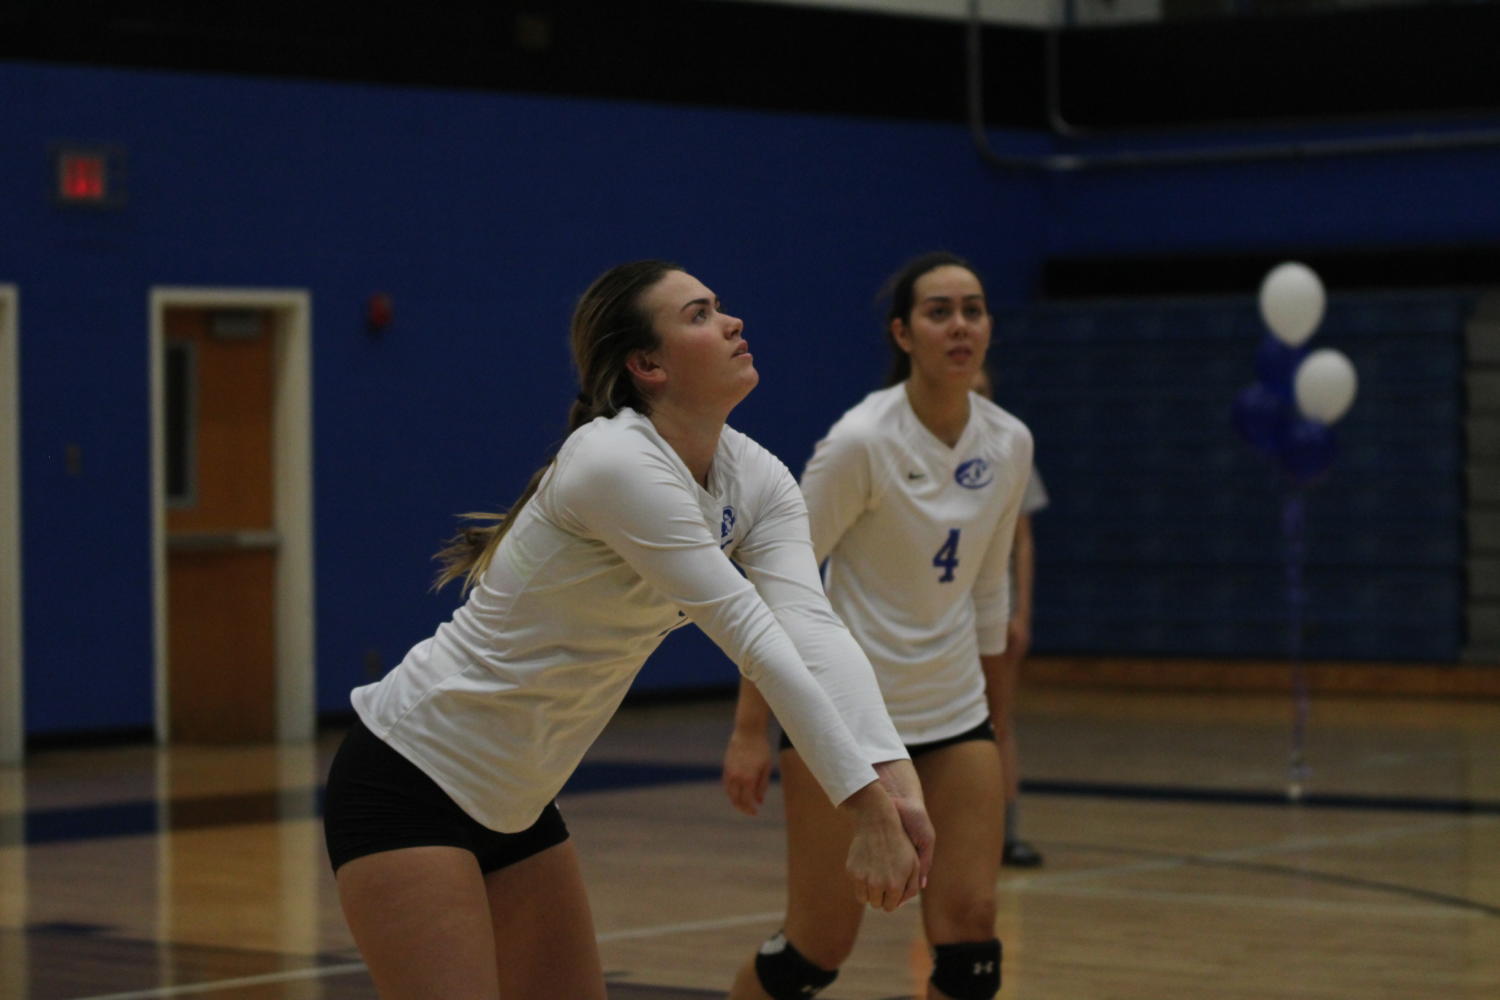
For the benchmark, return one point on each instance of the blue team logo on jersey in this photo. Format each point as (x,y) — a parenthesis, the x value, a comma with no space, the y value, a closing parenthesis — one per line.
(974,474)
(726,526)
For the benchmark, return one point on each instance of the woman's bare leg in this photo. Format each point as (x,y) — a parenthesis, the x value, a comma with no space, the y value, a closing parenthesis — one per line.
(962,785)
(544,941)
(421,920)
(822,915)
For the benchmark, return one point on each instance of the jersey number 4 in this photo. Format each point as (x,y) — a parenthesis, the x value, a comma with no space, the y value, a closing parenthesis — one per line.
(947,556)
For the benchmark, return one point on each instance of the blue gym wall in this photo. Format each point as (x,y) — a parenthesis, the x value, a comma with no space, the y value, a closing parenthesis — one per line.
(483,216)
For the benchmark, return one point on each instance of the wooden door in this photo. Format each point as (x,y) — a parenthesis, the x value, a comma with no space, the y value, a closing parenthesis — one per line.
(221,539)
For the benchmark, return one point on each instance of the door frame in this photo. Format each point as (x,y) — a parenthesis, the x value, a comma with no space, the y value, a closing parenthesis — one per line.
(291,468)
(12,686)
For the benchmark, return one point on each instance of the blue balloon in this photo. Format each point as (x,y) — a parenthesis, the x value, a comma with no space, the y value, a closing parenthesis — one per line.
(1308,450)
(1261,416)
(1276,366)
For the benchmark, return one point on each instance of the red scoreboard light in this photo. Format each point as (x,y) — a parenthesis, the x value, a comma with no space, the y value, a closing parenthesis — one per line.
(88,177)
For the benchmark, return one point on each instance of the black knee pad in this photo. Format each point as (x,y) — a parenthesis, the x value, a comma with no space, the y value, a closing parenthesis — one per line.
(969,970)
(785,974)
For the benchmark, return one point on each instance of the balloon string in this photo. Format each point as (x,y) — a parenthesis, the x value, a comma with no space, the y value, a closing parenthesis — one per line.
(1293,526)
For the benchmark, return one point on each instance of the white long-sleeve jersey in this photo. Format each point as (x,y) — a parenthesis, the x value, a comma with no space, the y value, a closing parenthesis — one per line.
(618,546)
(918,537)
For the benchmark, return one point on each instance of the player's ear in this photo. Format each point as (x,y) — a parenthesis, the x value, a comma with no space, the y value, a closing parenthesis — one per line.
(901,334)
(644,369)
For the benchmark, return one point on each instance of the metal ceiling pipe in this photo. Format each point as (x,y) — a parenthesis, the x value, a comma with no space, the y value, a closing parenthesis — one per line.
(1060,128)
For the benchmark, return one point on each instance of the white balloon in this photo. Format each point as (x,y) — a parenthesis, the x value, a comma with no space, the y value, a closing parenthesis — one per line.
(1291,302)
(1325,385)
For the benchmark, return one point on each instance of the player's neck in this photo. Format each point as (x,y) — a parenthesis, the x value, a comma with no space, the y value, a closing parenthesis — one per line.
(942,408)
(694,436)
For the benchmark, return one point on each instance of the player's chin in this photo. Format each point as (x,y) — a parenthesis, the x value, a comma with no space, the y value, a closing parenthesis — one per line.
(744,382)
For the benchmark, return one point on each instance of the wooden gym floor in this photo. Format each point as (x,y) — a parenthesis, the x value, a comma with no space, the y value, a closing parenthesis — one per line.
(1175,867)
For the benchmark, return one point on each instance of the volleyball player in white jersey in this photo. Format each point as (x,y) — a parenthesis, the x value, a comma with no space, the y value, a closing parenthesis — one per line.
(452,861)
(913,497)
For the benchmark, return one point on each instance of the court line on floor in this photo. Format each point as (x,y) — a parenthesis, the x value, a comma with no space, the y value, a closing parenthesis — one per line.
(1169,859)
(317,972)
(687,927)
(1041,884)
(1051,883)
(1264,902)
(1253,797)
(1034,885)
(1237,858)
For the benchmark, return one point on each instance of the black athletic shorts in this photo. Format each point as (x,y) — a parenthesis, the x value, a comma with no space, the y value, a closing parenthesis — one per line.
(983,731)
(377,800)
